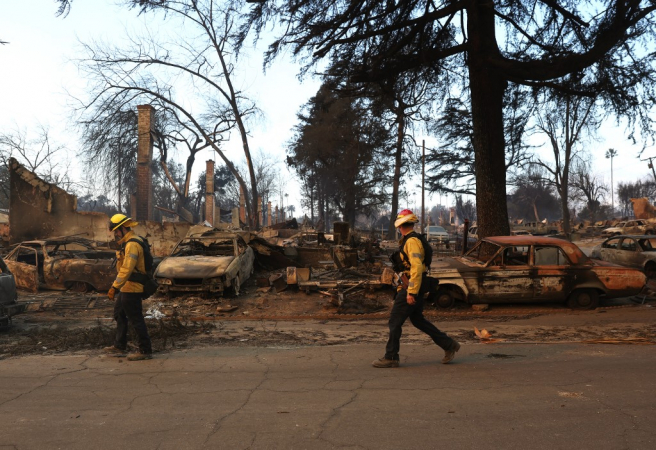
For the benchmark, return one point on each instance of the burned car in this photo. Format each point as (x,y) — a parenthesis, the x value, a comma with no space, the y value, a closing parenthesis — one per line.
(632,251)
(508,269)
(8,296)
(629,227)
(62,263)
(212,262)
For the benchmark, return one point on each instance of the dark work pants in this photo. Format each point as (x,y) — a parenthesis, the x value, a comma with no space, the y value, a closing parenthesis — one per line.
(402,311)
(127,309)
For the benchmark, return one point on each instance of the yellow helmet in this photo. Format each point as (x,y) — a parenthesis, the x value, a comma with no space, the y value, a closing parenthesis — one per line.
(405,216)
(121,220)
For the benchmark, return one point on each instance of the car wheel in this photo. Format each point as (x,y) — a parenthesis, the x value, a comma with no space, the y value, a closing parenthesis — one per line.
(444,298)
(650,270)
(583,299)
(80,287)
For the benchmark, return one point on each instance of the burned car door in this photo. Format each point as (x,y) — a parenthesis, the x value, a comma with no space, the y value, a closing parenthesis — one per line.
(508,275)
(610,249)
(24,262)
(628,253)
(554,273)
(74,265)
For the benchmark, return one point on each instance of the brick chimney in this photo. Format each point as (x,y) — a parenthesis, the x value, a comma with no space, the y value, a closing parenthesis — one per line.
(144,199)
(242,205)
(269,221)
(209,192)
(260,211)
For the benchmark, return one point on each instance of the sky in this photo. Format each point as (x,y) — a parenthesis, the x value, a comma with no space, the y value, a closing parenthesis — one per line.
(37,74)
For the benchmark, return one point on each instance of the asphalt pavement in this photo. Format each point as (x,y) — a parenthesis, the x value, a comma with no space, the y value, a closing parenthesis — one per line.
(493,396)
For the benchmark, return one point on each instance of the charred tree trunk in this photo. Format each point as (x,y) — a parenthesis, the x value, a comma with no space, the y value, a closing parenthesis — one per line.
(321,224)
(391,231)
(487,89)
(312,196)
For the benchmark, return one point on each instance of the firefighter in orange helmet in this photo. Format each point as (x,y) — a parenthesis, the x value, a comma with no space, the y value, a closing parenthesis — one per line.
(409,300)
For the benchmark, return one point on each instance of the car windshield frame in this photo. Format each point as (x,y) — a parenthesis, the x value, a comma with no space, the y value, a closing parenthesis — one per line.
(222,241)
(474,253)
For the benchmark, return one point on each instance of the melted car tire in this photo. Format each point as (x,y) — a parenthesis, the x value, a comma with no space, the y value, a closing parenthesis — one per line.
(583,299)
(80,287)
(444,298)
(650,270)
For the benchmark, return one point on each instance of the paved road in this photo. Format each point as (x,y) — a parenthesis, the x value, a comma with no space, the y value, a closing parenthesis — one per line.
(495,396)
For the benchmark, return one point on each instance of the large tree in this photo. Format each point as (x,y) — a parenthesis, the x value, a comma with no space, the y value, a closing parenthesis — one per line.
(483,46)
(452,166)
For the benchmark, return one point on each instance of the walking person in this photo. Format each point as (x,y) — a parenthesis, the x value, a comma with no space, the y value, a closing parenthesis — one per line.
(126,292)
(409,301)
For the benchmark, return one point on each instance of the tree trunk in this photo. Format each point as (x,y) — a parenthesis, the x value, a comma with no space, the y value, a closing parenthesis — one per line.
(312,204)
(391,231)
(487,89)
(349,209)
(564,194)
(535,211)
(322,216)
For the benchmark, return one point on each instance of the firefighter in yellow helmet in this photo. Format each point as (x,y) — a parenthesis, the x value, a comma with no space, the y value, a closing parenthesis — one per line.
(409,301)
(127,293)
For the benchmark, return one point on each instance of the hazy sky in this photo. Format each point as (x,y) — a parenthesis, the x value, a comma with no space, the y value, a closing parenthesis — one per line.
(36,73)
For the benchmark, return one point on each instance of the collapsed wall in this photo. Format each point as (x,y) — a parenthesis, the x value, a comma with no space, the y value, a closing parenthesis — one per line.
(40,210)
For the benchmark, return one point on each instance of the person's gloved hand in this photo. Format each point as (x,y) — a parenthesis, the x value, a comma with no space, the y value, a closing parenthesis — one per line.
(410,298)
(111,293)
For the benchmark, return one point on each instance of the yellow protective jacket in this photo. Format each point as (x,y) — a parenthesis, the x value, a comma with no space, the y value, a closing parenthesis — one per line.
(129,259)
(414,264)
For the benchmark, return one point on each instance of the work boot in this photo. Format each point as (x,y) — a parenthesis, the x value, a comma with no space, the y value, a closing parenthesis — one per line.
(384,363)
(114,351)
(139,356)
(451,353)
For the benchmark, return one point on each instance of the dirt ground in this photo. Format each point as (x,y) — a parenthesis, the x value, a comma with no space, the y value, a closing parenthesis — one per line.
(58,322)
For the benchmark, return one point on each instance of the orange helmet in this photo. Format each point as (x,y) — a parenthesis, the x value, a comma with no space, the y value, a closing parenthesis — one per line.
(405,216)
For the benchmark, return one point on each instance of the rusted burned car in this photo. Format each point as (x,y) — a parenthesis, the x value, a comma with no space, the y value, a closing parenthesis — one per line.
(62,263)
(630,227)
(8,296)
(632,251)
(211,262)
(508,269)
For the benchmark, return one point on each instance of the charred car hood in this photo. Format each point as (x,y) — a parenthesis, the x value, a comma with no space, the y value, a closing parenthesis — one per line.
(444,266)
(193,266)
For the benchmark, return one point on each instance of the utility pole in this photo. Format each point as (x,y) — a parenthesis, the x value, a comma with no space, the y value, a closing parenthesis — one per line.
(611,153)
(423,180)
(651,166)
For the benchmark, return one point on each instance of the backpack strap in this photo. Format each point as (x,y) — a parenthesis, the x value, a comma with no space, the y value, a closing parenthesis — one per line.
(413,234)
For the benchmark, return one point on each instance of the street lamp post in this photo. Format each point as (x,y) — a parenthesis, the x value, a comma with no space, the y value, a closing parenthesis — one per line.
(610,154)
